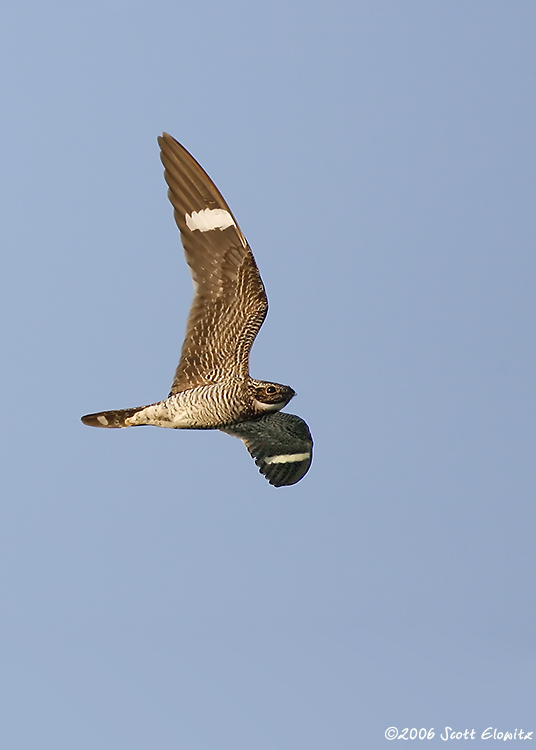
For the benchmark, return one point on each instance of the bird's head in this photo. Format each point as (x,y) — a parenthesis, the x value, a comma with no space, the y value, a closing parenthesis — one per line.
(269,397)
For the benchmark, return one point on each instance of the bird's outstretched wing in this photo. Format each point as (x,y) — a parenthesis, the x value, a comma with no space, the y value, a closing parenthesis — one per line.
(280,443)
(230,303)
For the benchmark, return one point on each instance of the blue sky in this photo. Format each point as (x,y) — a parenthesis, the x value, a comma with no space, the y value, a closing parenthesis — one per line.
(379,157)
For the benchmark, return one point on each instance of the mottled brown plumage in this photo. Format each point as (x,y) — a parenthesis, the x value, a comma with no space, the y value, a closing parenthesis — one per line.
(212,388)
(230,303)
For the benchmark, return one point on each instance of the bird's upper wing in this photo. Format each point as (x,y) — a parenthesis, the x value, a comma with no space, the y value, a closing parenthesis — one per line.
(230,303)
(280,443)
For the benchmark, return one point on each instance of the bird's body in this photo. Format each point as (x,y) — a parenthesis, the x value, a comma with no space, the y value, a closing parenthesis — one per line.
(212,388)
(202,407)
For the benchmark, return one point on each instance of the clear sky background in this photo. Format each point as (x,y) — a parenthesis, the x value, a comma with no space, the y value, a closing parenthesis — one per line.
(155,591)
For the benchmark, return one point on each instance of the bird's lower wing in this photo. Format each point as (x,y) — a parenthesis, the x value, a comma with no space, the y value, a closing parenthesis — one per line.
(280,443)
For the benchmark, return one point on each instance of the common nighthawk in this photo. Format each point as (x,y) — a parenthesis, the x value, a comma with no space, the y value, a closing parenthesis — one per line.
(212,388)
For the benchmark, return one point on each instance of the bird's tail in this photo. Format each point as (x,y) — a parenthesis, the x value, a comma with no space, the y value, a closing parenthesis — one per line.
(111,418)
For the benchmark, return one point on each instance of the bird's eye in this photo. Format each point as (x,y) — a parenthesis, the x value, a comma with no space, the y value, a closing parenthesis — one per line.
(270,389)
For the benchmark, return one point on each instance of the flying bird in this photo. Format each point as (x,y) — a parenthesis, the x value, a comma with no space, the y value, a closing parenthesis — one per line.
(212,387)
